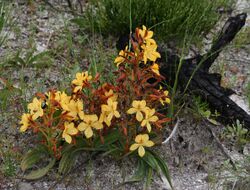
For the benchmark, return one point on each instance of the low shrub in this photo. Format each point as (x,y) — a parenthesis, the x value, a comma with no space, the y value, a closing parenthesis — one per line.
(119,119)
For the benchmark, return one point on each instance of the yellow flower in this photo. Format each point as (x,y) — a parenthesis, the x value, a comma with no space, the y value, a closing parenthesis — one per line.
(25,121)
(103,118)
(69,130)
(121,58)
(63,99)
(141,141)
(110,110)
(81,80)
(138,108)
(155,68)
(111,94)
(150,117)
(146,34)
(75,108)
(35,109)
(149,52)
(165,100)
(90,121)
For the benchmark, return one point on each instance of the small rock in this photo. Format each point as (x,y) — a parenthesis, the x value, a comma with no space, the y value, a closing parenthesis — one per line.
(246,150)
(25,186)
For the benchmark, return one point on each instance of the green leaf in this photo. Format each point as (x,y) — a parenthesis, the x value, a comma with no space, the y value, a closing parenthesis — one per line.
(163,167)
(40,172)
(140,172)
(38,56)
(151,161)
(149,177)
(109,139)
(67,161)
(79,22)
(32,157)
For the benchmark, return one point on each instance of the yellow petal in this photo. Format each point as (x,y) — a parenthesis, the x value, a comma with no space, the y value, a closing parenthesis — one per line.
(151,41)
(132,111)
(139,116)
(93,118)
(149,144)
(141,151)
(117,114)
(148,127)
(135,103)
(77,88)
(108,122)
(68,138)
(119,60)
(114,104)
(82,126)
(138,138)
(81,115)
(145,137)
(97,125)
(23,128)
(167,100)
(154,118)
(88,132)
(134,147)
(143,123)
(149,34)
(110,116)
(72,131)
(143,103)
(105,108)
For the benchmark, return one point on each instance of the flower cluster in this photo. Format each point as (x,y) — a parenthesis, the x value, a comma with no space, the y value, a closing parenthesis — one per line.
(93,110)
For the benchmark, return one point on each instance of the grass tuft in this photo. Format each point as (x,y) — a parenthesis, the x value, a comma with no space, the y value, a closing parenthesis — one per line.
(168,18)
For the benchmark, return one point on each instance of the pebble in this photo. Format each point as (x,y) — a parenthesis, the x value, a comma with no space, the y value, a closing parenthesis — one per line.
(25,186)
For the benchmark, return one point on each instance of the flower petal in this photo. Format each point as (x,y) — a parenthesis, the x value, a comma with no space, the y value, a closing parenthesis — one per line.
(143,103)
(138,138)
(134,147)
(144,122)
(117,114)
(82,126)
(141,151)
(72,131)
(149,144)
(135,103)
(139,116)
(145,137)
(23,128)
(68,138)
(149,127)
(132,111)
(97,125)
(88,132)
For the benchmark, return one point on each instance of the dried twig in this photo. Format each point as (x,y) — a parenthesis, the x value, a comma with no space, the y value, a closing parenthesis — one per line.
(172,133)
(221,146)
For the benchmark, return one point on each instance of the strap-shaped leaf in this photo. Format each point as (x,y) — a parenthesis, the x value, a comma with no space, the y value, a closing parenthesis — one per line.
(67,161)
(140,172)
(151,161)
(163,167)
(32,157)
(33,175)
(149,177)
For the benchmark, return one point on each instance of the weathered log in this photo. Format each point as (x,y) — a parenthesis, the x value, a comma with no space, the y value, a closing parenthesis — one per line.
(206,84)
(203,83)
